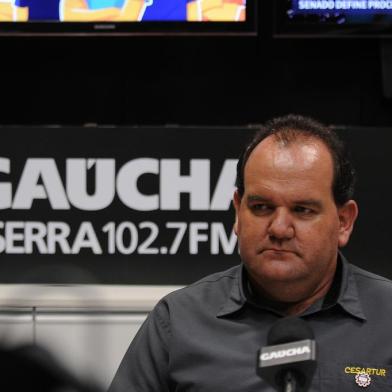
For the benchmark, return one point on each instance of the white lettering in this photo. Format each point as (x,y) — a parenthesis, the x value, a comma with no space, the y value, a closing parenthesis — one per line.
(225,186)
(285,353)
(41,180)
(86,238)
(380,5)
(127,189)
(354,5)
(58,233)
(29,188)
(13,236)
(5,188)
(35,233)
(316,5)
(219,238)
(197,184)
(103,196)
(195,236)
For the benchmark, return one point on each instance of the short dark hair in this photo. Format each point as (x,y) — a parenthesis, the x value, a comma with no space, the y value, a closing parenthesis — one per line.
(287,129)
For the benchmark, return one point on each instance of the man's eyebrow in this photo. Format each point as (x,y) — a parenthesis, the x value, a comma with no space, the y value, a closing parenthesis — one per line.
(308,203)
(304,202)
(252,198)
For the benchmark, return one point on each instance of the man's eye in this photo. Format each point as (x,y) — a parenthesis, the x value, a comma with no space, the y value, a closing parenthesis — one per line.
(260,207)
(303,210)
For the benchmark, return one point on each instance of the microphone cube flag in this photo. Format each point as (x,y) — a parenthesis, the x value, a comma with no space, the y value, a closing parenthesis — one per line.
(298,357)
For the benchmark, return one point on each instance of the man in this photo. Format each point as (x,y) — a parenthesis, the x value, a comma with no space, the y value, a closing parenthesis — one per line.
(294,211)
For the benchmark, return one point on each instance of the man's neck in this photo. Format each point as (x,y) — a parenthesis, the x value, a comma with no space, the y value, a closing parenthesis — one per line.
(287,307)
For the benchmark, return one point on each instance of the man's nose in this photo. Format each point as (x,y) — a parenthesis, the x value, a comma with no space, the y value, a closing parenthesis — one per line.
(281,225)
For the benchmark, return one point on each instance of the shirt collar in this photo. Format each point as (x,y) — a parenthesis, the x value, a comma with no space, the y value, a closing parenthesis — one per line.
(349,298)
(345,285)
(237,298)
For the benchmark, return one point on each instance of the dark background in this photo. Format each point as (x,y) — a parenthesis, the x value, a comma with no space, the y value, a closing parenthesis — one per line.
(214,81)
(191,80)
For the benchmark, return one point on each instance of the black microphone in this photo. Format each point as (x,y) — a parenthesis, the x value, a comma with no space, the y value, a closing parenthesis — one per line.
(288,362)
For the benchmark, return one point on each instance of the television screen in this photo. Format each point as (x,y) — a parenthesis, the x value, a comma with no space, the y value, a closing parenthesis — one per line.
(127,16)
(335,18)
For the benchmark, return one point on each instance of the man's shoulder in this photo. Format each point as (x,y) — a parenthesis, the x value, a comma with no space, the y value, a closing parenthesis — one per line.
(217,277)
(212,289)
(371,282)
(361,273)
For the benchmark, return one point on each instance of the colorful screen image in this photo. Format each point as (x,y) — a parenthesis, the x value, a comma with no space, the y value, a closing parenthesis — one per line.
(123,10)
(334,16)
(343,11)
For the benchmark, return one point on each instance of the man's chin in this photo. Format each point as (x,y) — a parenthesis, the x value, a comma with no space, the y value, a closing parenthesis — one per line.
(279,271)
(282,277)
(271,255)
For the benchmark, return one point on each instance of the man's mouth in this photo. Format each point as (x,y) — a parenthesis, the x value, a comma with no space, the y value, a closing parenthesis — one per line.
(278,250)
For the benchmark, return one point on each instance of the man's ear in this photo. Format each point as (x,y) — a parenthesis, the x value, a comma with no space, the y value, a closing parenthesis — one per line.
(237,204)
(348,213)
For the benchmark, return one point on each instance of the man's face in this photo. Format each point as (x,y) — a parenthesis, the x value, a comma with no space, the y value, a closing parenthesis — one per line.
(288,225)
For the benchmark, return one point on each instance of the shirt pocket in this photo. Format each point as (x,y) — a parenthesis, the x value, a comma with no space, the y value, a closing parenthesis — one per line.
(355,376)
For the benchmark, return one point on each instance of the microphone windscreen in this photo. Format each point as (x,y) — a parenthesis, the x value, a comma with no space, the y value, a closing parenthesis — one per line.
(289,329)
(290,352)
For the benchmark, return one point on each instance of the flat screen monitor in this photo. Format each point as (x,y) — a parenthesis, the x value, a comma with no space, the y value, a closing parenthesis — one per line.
(127,17)
(333,18)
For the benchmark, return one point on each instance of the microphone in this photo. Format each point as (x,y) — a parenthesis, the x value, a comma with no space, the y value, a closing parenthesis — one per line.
(288,362)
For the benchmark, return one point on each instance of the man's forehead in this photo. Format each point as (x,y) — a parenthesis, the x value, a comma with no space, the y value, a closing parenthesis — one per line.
(295,171)
(298,154)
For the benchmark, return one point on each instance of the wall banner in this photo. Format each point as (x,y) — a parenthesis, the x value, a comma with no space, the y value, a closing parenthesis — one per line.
(150,205)
(117,205)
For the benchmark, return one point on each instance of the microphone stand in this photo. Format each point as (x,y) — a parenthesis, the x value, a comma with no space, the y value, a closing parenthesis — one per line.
(290,382)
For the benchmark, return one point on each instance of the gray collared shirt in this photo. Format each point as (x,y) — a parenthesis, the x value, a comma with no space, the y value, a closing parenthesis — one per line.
(205,337)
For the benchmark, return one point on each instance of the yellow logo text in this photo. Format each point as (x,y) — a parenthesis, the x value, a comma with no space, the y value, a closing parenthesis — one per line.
(370,371)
